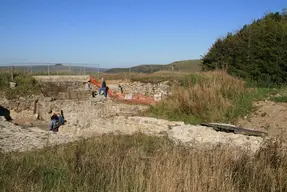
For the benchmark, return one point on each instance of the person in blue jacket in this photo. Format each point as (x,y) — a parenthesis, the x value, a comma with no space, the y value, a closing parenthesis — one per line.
(54,120)
(103,87)
(57,121)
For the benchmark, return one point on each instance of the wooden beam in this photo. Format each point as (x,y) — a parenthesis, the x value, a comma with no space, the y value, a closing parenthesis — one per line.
(235,129)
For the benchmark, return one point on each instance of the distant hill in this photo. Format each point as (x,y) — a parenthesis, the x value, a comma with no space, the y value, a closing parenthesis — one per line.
(57,68)
(181,66)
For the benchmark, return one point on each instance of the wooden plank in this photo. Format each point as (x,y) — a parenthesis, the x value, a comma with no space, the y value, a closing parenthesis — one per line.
(235,129)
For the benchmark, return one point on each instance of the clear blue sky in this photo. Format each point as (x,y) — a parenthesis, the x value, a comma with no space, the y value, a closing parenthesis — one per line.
(119,33)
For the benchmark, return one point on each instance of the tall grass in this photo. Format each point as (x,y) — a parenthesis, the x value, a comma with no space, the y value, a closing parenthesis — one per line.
(26,85)
(204,97)
(155,77)
(158,77)
(143,163)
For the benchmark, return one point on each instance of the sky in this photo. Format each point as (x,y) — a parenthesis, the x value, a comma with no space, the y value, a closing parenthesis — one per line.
(119,33)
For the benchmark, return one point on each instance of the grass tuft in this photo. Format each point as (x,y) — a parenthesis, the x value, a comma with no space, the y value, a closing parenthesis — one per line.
(281,99)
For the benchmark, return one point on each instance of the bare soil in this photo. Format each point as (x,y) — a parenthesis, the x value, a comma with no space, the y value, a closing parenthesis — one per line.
(268,116)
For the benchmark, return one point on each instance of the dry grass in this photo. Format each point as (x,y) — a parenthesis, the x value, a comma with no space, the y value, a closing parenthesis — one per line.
(209,96)
(143,163)
(26,85)
(155,77)
(158,77)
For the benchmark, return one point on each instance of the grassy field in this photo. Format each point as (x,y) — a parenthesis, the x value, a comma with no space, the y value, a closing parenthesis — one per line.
(155,77)
(147,163)
(190,66)
(143,163)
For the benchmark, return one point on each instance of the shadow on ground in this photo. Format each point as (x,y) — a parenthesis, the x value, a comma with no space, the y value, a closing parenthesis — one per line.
(5,112)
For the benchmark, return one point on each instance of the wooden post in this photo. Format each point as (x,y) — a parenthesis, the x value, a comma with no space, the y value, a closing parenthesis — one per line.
(130,72)
(12,73)
(98,71)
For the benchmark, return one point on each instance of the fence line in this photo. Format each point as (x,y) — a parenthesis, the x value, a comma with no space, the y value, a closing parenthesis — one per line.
(53,69)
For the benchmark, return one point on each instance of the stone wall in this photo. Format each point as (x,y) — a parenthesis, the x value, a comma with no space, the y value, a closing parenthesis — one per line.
(64,87)
(52,89)
(74,95)
(146,88)
(65,78)
(21,108)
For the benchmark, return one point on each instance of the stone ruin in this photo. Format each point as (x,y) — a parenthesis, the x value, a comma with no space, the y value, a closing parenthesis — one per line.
(87,117)
(60,87)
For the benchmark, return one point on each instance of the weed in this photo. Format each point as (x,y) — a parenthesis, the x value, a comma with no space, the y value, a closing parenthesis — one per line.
(281,99)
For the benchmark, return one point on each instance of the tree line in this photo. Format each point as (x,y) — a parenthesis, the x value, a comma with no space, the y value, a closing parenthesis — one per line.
(257,52)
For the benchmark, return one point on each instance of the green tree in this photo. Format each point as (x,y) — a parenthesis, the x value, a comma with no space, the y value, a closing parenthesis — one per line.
(257,52)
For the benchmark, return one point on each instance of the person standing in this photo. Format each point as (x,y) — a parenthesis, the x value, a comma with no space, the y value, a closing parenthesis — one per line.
(103,87)
(61,118)
(88,88)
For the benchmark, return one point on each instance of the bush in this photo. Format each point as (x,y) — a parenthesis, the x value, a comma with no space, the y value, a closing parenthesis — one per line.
(4,80)
(280,99)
